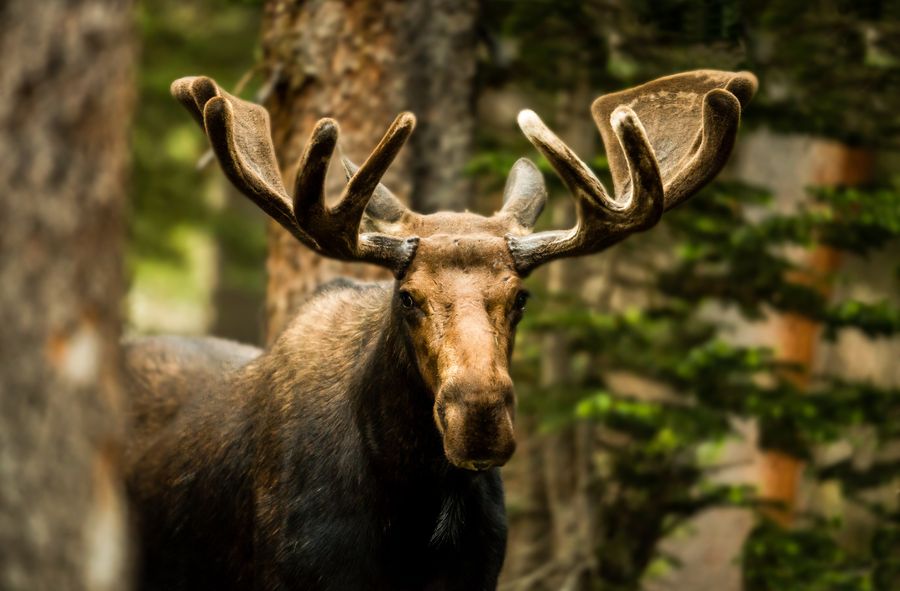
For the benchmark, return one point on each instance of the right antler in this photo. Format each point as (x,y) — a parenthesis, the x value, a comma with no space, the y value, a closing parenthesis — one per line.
(240,137)
(664,140)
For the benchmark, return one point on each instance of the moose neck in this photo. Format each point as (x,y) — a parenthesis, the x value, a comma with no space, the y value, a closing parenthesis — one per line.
(394,408)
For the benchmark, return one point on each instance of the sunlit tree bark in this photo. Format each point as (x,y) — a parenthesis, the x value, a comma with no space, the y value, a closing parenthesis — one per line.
(363,63)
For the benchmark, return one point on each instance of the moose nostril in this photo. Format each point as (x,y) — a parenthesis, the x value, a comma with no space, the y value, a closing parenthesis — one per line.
(441,410)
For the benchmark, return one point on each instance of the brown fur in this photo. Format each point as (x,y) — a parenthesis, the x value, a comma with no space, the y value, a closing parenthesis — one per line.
(254,470)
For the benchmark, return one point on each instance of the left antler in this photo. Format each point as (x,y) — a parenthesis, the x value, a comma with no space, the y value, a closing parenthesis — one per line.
(240,137)
(664,140)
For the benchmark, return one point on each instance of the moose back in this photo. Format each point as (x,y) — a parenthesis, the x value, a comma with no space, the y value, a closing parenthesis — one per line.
(361,451)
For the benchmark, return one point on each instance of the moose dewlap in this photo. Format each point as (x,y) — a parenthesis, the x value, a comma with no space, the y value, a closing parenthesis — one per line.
(361,450)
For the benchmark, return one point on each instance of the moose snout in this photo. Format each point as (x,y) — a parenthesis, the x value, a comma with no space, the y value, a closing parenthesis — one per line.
(478,428)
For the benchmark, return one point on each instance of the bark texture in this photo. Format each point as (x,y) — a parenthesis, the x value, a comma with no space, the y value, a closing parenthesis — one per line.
(363,63)
(64,112)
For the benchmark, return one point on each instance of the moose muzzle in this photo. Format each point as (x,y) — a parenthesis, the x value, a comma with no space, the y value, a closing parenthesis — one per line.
(477,423)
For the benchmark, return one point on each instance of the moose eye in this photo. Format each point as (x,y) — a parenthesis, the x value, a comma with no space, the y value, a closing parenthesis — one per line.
(521,300)
(407,301)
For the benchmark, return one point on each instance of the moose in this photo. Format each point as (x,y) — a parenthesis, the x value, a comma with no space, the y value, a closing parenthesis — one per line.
(362,449)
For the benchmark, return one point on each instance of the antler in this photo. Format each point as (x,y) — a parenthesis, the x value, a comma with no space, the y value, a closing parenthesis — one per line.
(664,140)
(240,137)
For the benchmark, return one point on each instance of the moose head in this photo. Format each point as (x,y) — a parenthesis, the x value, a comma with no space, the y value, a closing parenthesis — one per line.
(458,290)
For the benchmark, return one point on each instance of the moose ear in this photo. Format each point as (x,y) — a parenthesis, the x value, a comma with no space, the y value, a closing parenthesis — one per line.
(525,193)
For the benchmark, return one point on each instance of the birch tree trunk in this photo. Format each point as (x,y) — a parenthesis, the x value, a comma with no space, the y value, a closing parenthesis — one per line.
(362,63)
(64,117)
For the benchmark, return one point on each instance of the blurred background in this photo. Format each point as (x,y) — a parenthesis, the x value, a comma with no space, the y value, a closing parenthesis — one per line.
(713,405)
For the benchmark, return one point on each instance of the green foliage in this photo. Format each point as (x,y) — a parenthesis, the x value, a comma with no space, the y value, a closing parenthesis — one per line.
(542,45)
(741,264)
(828,67)
(776,558)
(812,559)
(656,444)
(213,37)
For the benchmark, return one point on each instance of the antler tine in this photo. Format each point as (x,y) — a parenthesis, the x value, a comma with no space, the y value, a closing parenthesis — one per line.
(193,92)
(602,220)
(262,186)
(336,229)
(721,118)
(309,184)
(239,134)
(365,180)
(692,121)
(672,136)
(577,176)
(383,206)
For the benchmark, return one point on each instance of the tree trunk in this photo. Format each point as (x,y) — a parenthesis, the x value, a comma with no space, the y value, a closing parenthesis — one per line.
(363,63)
(64,118)
(830,164)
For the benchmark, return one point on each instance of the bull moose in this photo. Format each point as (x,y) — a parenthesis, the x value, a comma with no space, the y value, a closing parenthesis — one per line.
(361,451)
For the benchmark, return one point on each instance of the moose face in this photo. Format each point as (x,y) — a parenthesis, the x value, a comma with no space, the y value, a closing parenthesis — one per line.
(460,301)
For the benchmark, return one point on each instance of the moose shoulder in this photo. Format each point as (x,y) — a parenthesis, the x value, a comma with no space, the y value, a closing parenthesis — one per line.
(362,449)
